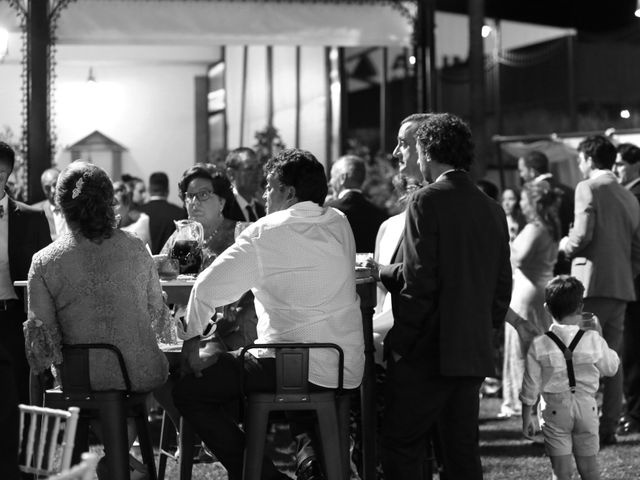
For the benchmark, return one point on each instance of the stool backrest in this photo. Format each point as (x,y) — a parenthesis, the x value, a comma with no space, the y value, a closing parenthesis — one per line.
(43,451)
(76,366)
(292,368)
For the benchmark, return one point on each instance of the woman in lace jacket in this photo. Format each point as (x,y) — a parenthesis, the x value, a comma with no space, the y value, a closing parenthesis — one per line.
(96,284)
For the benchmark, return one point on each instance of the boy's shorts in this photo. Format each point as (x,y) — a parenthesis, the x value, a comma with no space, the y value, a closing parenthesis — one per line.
(569,424)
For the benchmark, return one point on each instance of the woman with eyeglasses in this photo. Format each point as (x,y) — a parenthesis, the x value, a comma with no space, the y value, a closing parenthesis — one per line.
(205,190)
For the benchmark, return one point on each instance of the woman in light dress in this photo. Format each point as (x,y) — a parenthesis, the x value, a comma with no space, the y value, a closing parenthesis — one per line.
(96,284)
(533,256)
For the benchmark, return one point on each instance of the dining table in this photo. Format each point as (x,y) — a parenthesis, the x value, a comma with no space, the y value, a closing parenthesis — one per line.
(179,289)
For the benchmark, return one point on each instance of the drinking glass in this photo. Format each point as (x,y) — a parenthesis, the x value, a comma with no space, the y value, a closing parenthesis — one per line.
(589,321)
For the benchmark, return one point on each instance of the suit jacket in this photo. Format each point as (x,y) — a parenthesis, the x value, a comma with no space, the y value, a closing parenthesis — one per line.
(45,206)
(605,238)
(161,217)
(457,279)
(28,233)
(233,211)
(364,217)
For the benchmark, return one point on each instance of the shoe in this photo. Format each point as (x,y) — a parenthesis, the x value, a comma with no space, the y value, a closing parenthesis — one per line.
(629,427)
(309,469)
(608,440)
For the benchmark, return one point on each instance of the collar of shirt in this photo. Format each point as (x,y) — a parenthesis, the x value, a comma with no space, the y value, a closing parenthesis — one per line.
(242,202)
(632,183)
(599,172)
(347,190)
(156,197)
(544,176)
(444,174)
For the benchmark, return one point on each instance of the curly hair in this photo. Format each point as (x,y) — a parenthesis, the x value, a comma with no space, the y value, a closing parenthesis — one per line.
(84,193)
(446,139)
(301,170)
(219,182)
(545,201)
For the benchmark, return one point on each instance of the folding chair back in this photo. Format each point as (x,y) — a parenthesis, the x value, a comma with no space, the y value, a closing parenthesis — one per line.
(42,451)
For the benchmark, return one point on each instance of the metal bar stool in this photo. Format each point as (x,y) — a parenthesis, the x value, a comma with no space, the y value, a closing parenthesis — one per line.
(187,441)
(292,393)
(111,407)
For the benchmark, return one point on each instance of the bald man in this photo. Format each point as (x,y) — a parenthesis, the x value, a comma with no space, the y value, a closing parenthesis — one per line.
(57,223)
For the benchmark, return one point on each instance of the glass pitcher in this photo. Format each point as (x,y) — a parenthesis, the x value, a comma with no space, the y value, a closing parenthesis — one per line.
(187,246)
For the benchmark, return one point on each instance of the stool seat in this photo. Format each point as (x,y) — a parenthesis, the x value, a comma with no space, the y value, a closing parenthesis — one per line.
(111,408)
(293,393)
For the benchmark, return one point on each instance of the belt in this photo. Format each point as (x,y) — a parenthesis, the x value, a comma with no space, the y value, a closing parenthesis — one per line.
(9,304)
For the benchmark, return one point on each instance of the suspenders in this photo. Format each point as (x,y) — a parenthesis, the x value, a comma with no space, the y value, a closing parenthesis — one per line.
(568,354)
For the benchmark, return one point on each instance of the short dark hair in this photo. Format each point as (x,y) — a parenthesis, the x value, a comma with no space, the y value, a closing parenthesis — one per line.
(446,139)
(7,154)
(536,160)
(234,156)
(208,171)
(301,170)
(600,149)
(563,295)
(84,193)
(629,152)
(158,183)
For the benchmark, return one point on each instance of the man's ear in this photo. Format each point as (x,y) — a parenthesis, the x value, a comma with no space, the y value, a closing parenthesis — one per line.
(546,307)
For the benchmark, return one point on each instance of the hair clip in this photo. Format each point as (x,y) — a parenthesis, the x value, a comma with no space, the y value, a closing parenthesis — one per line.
(78,190)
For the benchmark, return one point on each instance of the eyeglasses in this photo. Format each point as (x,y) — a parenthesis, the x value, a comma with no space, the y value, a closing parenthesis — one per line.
(202,196)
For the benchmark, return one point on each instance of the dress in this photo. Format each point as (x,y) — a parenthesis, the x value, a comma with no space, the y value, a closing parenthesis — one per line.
(533,255)
(84,292)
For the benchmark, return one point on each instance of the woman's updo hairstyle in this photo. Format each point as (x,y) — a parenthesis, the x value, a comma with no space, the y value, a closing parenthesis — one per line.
(220,184)
(84,193)
(545,200)
(122,193)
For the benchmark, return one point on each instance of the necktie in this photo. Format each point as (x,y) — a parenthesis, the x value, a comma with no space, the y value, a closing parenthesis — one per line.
(251,214)
(1,211)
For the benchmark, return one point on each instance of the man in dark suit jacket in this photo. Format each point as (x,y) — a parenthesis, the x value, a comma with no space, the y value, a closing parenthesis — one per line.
(457,288)
(534,167)
(23,231)
(161,213)
(347,176)
(245,173)
(627,169)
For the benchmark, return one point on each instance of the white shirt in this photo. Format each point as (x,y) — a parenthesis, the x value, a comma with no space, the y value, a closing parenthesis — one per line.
(6,286)
(546,367)
(300,265)
(347,190)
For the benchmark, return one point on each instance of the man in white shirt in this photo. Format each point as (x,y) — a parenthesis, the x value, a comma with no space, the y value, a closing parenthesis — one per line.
(299,263)
(246,175)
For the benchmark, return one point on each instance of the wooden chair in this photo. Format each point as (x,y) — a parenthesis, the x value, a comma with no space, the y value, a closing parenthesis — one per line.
(85,470)
(42,451)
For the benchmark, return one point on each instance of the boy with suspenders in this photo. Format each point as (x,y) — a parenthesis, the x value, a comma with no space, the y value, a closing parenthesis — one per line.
(564,366)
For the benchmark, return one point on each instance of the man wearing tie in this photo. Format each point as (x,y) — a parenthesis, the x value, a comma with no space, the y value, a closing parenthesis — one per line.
(245,172)
(23,231)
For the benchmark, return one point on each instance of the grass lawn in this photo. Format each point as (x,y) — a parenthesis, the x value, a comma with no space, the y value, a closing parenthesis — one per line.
(506,455)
